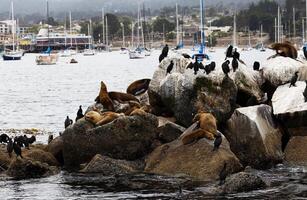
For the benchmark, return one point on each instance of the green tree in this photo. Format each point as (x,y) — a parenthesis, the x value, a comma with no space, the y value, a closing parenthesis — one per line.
(158,25)
(113,25)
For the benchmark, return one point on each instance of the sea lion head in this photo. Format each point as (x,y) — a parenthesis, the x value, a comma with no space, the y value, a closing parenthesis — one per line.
(92,116)
(103,86)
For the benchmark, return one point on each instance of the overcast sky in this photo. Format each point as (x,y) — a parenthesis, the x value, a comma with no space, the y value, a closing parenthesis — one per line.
(38,6)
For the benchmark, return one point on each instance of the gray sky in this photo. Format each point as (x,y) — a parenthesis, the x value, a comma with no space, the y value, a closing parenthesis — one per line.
(38,6)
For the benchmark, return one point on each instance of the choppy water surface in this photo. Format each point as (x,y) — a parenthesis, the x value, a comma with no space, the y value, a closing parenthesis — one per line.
(41,97)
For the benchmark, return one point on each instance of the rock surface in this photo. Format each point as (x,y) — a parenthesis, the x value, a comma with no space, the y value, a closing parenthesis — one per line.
(290,108)
(184,93)
(26,168)
(254,136)
(296,151)
(196,160)
(243,182)
(280,70)
(126,138)
(41,156)
(108,166)
(56,149)
(170,132)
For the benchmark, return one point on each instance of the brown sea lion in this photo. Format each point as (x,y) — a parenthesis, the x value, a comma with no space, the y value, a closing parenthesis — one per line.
(285,49)
(138,112)
(108,117)
(100,119)
(122,97)
(132,106)
(104,98)
(207,128)
(138,87)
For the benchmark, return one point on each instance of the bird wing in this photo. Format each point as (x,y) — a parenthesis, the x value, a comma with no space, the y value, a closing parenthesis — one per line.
(190,66)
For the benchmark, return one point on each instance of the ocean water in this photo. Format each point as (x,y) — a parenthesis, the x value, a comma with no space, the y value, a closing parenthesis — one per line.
(41,97)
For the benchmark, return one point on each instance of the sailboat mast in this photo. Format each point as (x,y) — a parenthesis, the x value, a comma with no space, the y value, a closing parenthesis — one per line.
(48,25)
(132,33)
(13,26)
(103,27)
(202,15)
(294,27)
(70,32)
(138,29)
(88,33)
(163,34)
(107,30)
(278,24)
(177,24)
(303,30)
(144,27)
(261,29)
(234,30)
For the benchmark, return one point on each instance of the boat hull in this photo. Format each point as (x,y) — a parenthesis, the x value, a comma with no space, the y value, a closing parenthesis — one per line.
(46,60)
(11,57)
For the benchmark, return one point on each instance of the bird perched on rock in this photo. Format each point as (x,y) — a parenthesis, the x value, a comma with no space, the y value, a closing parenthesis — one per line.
(225,67)
(217,141)
(4,138)
(67,122)
(256,66)
(223,174)
(17,149)
(294,79)
(164,53)
(32,139)
(229,52)
(26,141)
(235,64)
(170,67)
(79,113)
(212,66)
(50,138)
(236,54)
(185,55)
(9,147)
(305,92)
(208,69)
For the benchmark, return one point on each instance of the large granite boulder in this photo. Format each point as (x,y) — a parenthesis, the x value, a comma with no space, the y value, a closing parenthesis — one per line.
(41,156)
(290,108)
(108,166)
(170,132)
(26,168)
(126,138)
(196,160)
(243,182)
(296,151)
(55,147)
(279,70)
(183,93)
(255,137)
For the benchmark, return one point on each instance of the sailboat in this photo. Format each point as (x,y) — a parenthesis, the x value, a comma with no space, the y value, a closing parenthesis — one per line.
(14,54)
(47,58)
(65,52)
(89,51)
(138,52)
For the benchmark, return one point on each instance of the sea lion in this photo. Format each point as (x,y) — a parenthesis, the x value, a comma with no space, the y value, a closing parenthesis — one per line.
(138,112)
(170,67)
(101,119)
(285,49)
(104,98)
(138,87)
(122,97)
(294,79)
(132,106)
(207,128)
(108,117)
(79,113)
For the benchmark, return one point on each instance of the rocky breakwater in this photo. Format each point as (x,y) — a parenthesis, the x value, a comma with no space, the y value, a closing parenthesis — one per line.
(128,137)
(183,93)
(290,108)
(255,137)
(36,162)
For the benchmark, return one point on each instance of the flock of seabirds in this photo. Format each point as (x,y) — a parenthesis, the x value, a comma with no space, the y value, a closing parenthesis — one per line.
(15,144)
